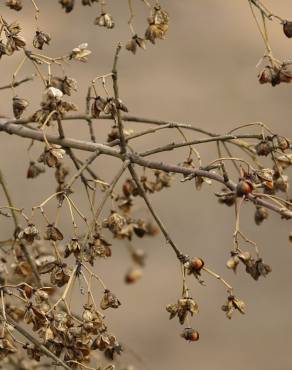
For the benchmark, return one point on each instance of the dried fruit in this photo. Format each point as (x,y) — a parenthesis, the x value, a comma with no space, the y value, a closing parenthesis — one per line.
(109,300)
(233,304)
(14,4)
(133,275)
(287,28)
(244,187)
(40,39)
(105,20)
(260,215)
(53,233)
(184,306)
(190,334)
(19,106)
(34,170)
(135,42)
(80,53)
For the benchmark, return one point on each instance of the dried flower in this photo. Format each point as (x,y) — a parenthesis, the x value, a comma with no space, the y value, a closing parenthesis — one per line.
(29,234)
(109,300)
(6,346)
(135,42)
(60,275)
(105,20)
(14,40)
(158,24)
(226,197)
(233,262)
(276,74)
(233,304)
(255,268)
(14,4)
(34,170)
(260,215)
(40,39)
(68,5)
(182,308)
(52,156)
(97,106)
(53,233)
(45,263)
(282,143)
(19,105)
(115,223)
(89,2)
(65,84)
(80,53)
(72,247)
(52,94)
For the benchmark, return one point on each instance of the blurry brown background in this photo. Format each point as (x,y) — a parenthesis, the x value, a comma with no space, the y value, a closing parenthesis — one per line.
(203,73)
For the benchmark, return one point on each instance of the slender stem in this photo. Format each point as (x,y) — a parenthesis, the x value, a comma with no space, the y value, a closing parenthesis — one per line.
(16,224)
(169,240)
(116,92)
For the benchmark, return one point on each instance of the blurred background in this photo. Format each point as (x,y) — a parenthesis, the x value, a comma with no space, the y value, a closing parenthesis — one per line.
(204,73)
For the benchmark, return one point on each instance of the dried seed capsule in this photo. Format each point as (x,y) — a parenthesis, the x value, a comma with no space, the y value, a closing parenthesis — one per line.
(53,233)
(287,28)
(264,148)
(133,275)
(269,75)
(244,187)
(68,5)
(190,334)
(282,143)
(19,105)
(109,300)
(232,263)
(34,170)
(40,39)
(260,215)
(135,42)
(197,264)
(14,4)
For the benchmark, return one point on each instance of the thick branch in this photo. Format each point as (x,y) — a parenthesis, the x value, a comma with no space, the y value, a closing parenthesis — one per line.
(134,158)
(22,131)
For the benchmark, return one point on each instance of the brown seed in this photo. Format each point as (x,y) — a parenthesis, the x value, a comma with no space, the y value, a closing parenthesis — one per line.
(244,187)
(133,275)
(190,335)
(264,148)
(287,28)
(197,264)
